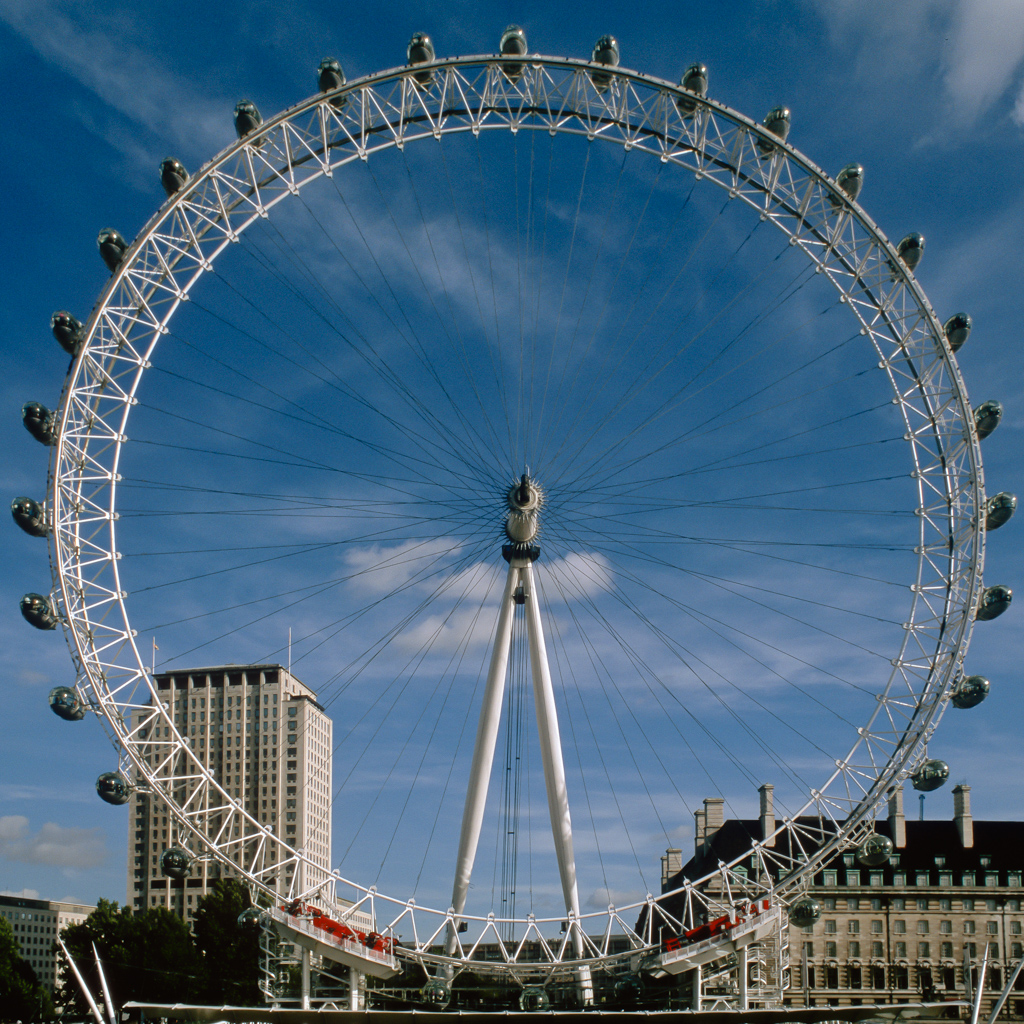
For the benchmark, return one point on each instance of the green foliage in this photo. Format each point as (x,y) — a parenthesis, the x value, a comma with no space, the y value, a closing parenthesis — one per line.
(230,952)
(22,997)
(152,956)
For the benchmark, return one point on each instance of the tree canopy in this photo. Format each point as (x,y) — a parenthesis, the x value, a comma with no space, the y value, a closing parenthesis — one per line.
(22,996)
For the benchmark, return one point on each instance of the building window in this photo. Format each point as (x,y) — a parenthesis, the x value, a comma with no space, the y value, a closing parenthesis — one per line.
(945,879)
(1015,927)
(1017,950)
(968,904)
(876,927)
(853,878)
(830,949)
(947,949)
(992,927)
(968,879)
(875,879)
(901,949)
(853,927)
(922,928)
(968,927)
(991,879)
(946,927)
(830,927)
(922,904)
(853,903)
(899,927)
(829,903)
(876,949)
(922,878)
(830,877)
(945,904)
(924,950)
(854,950)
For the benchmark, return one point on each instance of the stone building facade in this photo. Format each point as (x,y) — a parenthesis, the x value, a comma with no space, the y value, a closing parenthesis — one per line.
(905,931)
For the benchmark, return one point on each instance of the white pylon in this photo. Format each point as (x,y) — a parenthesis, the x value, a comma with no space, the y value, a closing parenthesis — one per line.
(524,501)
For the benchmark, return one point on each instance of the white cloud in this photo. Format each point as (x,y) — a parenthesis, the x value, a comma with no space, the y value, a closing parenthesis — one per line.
(53,845)
(382,569)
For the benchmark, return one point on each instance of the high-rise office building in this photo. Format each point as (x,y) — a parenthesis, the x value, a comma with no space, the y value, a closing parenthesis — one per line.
(266,740)
(36,925)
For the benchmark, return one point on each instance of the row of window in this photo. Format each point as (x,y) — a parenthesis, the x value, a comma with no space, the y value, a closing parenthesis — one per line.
(921,903)
(899,927)
(897,976)
(943,879)
(924,951)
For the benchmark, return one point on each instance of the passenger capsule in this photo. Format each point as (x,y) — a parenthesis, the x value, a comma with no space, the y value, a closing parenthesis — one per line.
(437,992)
(777,121)
(533,999)
(957,330)
(249,918)
(38,611)
(113,788)
(695,80)
(39,422)
(513,44)
(30,516)
(176,862)
(606,51)
(999,509)
(112,248)
(173,175)
(851,180)
(875,850)
(986,418)
(330,76)
(911,249)
(247,118)
(969,692)
(994,601)
(628,990)
(64,703)
(930,775)
(67,330)
(805,912)
(421,51)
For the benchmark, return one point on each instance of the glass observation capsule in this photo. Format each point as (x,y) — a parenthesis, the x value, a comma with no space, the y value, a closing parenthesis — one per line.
(695,80)
(911,249)
(930,775)
(805,912)
(999,509)
(247,118)
(969,692)
(994,601)
(420,51)
(606,51)
(176,862)
(778,122)
(39,422)
(249,918)
(113,788)
(67,329)
(987,417)
(874,851)
(112,248)
(436,992)
(513,44)
(329,75)
(38,611)
(64,703)
(30,516)
(957,330)
(533,999)
(173,175)
(628,989)
(850,181)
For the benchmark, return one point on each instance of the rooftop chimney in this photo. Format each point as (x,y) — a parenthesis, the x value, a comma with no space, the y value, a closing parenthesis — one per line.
(698,832)
(897,822)
(767,792)
(671,864)
(962,815)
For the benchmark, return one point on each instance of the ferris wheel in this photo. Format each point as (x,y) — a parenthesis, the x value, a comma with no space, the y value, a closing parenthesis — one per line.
(525,388)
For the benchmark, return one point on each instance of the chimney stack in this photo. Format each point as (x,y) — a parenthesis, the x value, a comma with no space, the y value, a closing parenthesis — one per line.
(767,792)
(962,815)
(897,822)
(671,864)
(698,832)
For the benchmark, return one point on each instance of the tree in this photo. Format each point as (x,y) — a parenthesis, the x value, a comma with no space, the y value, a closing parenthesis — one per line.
(148,956)
(229,952)
(22,997)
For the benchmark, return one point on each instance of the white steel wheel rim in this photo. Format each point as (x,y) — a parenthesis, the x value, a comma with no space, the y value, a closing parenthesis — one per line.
(473,94)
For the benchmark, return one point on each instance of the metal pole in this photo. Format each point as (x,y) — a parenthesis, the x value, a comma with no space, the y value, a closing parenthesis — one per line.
(111,1012)
(554,770)
(1006,991)
(353,989)
(81,983)
(483,752)
(741,968)
(976,1011)
(696,995)
(305,978)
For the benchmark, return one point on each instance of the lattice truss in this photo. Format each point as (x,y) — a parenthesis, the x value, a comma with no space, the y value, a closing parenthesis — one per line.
(184,238)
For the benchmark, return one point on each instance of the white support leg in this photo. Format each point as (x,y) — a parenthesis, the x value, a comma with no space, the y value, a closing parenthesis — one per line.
(554,771)
(305,978)
(741,972)
(354,980)
(483,753)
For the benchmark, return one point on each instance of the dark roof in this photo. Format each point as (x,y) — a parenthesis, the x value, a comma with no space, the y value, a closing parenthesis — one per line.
(1001,842)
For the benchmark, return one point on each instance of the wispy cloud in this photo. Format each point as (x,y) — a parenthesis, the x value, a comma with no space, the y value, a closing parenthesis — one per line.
(53,845)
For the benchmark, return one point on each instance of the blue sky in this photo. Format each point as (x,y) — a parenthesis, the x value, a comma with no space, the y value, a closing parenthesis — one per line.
(929,98)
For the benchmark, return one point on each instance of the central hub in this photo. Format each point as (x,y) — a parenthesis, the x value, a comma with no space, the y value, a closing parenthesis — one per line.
(524,501)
